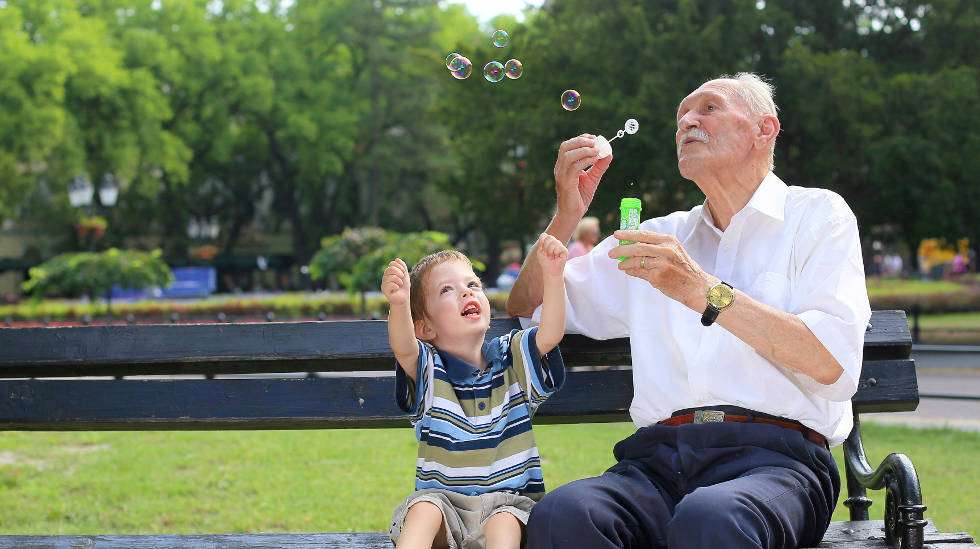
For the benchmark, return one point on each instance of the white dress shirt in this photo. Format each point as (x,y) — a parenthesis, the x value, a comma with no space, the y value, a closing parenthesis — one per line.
(793,248)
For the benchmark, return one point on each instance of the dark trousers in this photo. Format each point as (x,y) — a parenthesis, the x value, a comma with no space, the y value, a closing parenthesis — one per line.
(710,485)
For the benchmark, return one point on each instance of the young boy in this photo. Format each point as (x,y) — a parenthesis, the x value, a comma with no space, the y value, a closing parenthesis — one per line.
(478,471)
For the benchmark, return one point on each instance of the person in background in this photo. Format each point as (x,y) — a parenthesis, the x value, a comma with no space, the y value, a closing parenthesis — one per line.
(585,237)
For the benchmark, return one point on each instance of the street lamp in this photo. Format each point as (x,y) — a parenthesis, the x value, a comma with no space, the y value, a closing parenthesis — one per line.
(80,195)
(207,228)
(108,190)
(80,191)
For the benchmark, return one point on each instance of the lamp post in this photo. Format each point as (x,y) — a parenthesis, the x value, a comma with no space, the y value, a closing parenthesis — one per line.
(108,190)
(80,191)
(80,195)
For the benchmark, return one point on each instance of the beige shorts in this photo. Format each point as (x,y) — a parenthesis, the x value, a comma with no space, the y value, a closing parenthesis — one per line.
(464,516)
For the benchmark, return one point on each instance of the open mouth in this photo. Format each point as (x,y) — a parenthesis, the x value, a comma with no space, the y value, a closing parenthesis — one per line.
(471,310)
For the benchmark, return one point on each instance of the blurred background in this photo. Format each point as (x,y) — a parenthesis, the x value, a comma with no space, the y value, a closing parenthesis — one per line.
(273,155)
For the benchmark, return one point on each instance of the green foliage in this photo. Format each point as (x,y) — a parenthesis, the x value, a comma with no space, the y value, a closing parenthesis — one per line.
(314,115)
(358,257)
(283,306)
(94,274)
(339,253)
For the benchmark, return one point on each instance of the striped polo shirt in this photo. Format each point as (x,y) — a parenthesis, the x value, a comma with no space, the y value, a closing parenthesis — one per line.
(473,427)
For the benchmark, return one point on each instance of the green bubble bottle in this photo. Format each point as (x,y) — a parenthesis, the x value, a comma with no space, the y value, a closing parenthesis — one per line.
(629,218)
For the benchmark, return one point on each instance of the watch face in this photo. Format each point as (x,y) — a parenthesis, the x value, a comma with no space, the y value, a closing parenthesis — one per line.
(720,296)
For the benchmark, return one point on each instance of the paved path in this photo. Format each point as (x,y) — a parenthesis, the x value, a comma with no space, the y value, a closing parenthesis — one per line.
(932,412)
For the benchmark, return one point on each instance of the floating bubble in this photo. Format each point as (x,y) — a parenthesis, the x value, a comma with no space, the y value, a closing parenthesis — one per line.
(465,69)
(513,69)
(571,100)
(453,61)
(493,71)
(500,38)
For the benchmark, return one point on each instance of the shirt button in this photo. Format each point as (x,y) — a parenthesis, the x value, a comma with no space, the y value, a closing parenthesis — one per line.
(482,405)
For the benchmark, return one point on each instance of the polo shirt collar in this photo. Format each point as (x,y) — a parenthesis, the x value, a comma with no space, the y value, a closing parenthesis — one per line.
(460,370)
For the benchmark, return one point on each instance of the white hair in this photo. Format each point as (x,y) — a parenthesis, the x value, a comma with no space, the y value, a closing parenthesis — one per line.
(757,94)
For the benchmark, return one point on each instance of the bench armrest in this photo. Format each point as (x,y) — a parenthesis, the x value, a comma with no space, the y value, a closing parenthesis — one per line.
(903,496)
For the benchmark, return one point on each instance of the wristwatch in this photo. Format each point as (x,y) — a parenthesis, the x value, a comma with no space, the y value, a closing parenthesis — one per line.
(720,297)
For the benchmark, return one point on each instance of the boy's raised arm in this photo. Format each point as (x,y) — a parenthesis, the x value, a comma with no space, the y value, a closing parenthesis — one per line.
(396,286)
(552,255)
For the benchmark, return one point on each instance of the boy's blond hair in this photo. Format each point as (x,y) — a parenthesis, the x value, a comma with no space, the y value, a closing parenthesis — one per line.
(422,268)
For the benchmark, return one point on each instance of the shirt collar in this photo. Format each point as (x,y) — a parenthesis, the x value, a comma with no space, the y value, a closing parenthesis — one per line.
(768,199)
(459,370)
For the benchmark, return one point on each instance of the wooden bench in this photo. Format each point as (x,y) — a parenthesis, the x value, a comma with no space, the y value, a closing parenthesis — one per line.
(348,396)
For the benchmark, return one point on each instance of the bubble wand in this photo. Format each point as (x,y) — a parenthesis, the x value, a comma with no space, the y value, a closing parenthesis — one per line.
(605,149)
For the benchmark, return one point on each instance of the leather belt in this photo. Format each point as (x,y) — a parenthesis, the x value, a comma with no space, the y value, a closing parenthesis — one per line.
(740,415)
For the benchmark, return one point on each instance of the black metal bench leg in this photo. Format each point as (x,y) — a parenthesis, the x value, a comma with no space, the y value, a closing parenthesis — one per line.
(903,497)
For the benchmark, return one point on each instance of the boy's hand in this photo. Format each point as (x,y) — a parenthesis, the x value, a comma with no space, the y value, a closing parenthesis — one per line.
(395,283)
(552,255)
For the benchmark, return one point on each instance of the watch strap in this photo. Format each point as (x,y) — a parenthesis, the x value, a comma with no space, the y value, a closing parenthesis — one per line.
(710,315)
(711,312)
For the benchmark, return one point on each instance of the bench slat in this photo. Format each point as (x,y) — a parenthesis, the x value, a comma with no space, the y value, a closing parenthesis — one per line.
(289,347)
(309,403)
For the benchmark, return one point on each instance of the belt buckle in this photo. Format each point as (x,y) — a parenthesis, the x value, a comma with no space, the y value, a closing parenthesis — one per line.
(709,416)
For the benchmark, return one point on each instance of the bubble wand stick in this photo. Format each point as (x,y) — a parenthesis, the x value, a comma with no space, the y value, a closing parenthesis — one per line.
(605,149)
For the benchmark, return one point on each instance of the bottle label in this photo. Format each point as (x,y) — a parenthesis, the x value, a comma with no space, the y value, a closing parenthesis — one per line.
(629,220)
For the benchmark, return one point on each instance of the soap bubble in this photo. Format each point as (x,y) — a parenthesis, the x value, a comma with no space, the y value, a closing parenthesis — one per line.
(493,71)
(571,100)
(632,126)
(453,62)
(500,38)
(465,70)
(513,69)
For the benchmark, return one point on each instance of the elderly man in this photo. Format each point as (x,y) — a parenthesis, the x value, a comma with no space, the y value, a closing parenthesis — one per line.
(746,316)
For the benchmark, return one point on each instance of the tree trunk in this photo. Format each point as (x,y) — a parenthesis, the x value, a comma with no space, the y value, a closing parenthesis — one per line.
(493,260)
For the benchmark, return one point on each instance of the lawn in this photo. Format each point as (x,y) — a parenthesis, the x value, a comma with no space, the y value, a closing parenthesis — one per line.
(950,320)
(334,480)
(896,286)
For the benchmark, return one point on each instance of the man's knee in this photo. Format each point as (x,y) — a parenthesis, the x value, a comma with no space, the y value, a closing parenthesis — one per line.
(562,515)
(567,502)
(704,518)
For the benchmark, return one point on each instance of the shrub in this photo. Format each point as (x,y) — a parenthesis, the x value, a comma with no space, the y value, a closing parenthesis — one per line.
(94,274)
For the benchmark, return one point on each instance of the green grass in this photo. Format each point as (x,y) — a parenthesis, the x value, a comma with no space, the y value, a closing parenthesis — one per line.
(336,480)
(894,286)
(951,320)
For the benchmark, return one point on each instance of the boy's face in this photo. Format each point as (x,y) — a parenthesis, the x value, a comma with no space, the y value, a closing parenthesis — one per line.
(455,305)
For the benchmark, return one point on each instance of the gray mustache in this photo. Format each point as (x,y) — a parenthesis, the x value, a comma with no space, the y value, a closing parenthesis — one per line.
(695,133)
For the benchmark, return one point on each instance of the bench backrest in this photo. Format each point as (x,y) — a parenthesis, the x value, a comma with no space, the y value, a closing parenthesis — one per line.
(354,386)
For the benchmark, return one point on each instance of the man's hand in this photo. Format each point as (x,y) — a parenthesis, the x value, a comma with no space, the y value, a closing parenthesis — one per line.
(576,186)
(395,283)
(552,255)
(664,263)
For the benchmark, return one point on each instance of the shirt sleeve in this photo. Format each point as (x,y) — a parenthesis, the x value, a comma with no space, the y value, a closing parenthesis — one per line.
(414,397)
(539,376)
(596,295)
(831,298)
